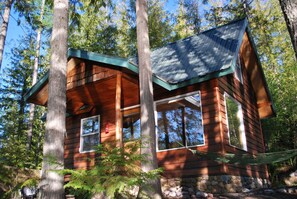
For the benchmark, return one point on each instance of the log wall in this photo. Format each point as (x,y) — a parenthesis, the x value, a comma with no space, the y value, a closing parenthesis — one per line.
(180,162)
(244,94)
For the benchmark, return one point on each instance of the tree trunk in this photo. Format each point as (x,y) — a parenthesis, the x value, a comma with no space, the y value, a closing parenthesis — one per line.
(4,28)
(289,8)
(34,76)
(148,134)
(53,149)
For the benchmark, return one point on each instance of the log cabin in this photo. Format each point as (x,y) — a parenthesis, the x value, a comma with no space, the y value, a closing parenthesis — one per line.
(210,95)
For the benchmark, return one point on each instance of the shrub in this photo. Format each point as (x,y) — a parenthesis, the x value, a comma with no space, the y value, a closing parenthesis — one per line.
(116,171)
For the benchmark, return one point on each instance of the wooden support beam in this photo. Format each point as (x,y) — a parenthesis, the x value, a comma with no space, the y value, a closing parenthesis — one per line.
(118,114)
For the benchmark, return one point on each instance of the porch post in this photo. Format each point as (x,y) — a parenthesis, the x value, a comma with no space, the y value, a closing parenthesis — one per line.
(118,114)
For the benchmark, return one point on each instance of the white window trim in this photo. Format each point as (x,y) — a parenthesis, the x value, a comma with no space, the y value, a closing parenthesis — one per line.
(241,127)
(173,99)
(81,135)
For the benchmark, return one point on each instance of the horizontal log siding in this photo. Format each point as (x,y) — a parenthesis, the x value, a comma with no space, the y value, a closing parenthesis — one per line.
(83,73)
(76,160)
(181,162)
(87,72)
(244,94)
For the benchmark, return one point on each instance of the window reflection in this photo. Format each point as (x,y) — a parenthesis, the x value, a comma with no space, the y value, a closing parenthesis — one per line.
(131,127)
(235,123)
(180,123)
(90,125)
(90,133)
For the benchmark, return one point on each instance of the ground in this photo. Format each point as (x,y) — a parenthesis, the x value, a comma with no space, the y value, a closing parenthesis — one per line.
(289,193)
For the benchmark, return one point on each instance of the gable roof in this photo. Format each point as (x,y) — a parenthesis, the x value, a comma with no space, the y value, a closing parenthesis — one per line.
(209,52)
(195,59)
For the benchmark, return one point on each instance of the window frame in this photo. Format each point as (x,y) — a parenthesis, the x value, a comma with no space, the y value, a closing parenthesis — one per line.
(241,127)
(134,111)
(82,136)
(172,99)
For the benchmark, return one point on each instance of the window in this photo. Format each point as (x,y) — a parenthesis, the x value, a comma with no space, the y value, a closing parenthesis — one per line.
(131,127)
(90,129)
(179,122)
(238,72)
(235,123)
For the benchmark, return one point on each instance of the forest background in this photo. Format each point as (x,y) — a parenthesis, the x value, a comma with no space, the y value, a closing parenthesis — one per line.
(109,28)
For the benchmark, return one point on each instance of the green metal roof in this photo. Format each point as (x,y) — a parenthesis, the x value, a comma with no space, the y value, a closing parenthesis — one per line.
(195,57)
(198,58)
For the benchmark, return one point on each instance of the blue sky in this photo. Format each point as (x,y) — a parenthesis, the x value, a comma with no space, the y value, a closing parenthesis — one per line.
(13,34)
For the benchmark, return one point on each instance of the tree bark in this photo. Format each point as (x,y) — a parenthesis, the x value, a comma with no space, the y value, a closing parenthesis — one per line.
(4,27)
(34,76)
(53,149)
(148,134)
(289,8)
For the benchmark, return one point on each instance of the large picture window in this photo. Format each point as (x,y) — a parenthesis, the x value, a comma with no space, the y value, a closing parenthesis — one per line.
(90,133)
(179,122)
(235,123)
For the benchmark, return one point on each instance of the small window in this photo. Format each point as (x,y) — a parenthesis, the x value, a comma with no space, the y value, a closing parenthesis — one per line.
(90,133)
(235,123)
(131,127)
(179,122)
(238,72)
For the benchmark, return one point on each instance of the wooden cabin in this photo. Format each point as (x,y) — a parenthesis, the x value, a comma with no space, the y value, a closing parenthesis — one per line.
(210,95)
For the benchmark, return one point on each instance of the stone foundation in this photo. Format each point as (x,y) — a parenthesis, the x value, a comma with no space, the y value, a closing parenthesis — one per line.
(194,187)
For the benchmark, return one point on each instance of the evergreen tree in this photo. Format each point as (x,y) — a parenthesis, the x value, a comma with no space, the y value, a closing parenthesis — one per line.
(126,33)
(52,183)
(277,58)
(4,26)
(13,110)
(289,8)
(35,74)
(182,28)
(93,29)
(148,134)
(214,15)
(193,14)
(159,25)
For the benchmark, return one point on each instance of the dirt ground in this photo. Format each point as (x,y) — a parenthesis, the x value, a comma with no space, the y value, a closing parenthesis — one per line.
(259,194)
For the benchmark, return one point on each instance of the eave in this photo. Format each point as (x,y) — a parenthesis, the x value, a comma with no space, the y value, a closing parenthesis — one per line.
(121,63)
(254,68)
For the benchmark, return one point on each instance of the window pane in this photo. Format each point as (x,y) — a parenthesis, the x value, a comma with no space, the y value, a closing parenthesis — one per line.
(131,127)
(194,128)
(180,123)
(234,122)
(170,127)
(90,142)
(90,125)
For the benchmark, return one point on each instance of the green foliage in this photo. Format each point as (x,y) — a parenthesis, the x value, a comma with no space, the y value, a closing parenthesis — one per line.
(158,23)
(249,159)
(111,29)
(14,113)
(92,28)
(116,171)
(277,57)
(181,27)
(12,179)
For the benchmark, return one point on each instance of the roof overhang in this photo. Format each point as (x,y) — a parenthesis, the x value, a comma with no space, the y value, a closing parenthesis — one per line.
(254,69)
(38,93)
(76,56)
